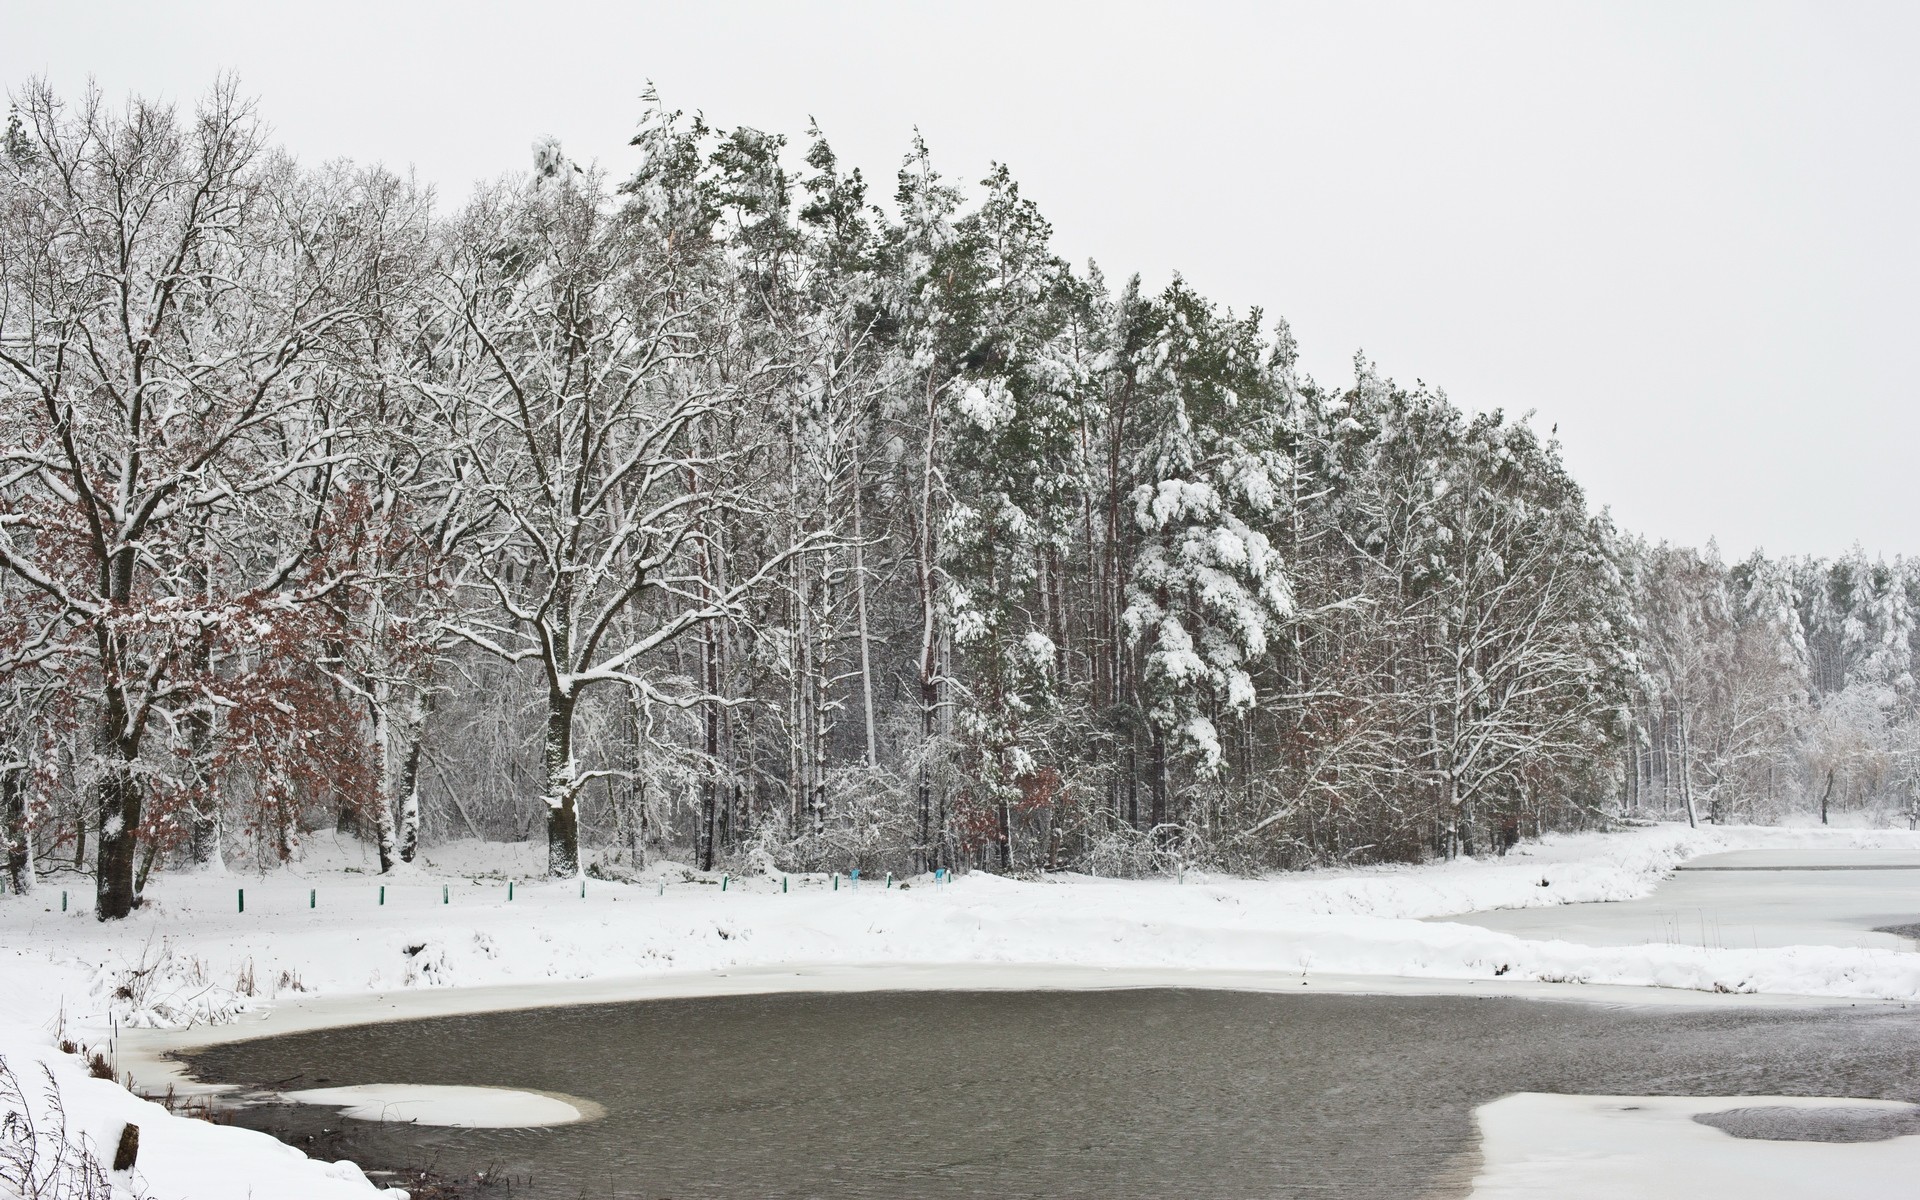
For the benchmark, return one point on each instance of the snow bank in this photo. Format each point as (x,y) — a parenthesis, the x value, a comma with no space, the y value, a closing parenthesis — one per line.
(75,1116)
(192,957)
(330,932)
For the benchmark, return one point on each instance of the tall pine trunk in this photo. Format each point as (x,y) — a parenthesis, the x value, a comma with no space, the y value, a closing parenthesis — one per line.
(930,856)
(860,609)
(710,770)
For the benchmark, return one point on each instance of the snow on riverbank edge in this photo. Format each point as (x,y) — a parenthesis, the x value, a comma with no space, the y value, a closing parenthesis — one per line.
(74,1116)
(336,946)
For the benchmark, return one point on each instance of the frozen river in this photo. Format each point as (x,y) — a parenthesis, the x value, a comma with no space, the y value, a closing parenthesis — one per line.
(1135,1093)
(1746,899)
(1159,1091)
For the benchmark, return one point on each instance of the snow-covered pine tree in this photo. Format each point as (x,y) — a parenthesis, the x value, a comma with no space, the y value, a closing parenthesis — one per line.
(1207,594)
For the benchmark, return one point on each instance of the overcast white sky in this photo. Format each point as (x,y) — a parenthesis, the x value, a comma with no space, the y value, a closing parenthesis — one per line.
(1683,233)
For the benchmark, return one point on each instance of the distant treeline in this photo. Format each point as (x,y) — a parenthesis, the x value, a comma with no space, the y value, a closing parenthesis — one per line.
(726,513)
(1774,686)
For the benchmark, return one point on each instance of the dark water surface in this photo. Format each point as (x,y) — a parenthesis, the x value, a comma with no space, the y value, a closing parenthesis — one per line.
(1149,1093)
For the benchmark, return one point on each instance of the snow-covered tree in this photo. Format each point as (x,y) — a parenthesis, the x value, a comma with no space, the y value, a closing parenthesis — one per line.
(170,295)
(1207,592)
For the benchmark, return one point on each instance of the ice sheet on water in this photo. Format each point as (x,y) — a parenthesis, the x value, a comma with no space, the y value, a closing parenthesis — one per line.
(1663,1148)
(454,1107)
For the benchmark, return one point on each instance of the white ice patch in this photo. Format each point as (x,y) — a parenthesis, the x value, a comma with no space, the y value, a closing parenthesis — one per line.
(458,1107)
(1650,1148)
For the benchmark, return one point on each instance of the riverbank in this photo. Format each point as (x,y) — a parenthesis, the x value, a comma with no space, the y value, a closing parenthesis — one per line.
(327,941)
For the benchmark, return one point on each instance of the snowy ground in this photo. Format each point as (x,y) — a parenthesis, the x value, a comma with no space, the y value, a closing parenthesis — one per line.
(321,944)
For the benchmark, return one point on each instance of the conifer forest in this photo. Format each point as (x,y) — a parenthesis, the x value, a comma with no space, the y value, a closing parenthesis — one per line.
(747,510)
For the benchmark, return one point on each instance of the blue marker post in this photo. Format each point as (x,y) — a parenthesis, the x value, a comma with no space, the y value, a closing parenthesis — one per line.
(855,876)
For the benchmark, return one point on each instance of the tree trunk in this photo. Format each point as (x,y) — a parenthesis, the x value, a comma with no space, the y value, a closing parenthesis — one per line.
(1006,835)
(1686,772)
(563,821)
(117,800)
(148,853)
(384,836)
(203,832)
(926,555)
(1133,786)
(116,747)
(860,610)
(203,828)
(710,770)
(1159,780)
(408,840)
(635,790)
(930,705)
(19,839)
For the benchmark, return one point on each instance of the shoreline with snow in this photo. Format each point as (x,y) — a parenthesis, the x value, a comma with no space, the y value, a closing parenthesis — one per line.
(195,968)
